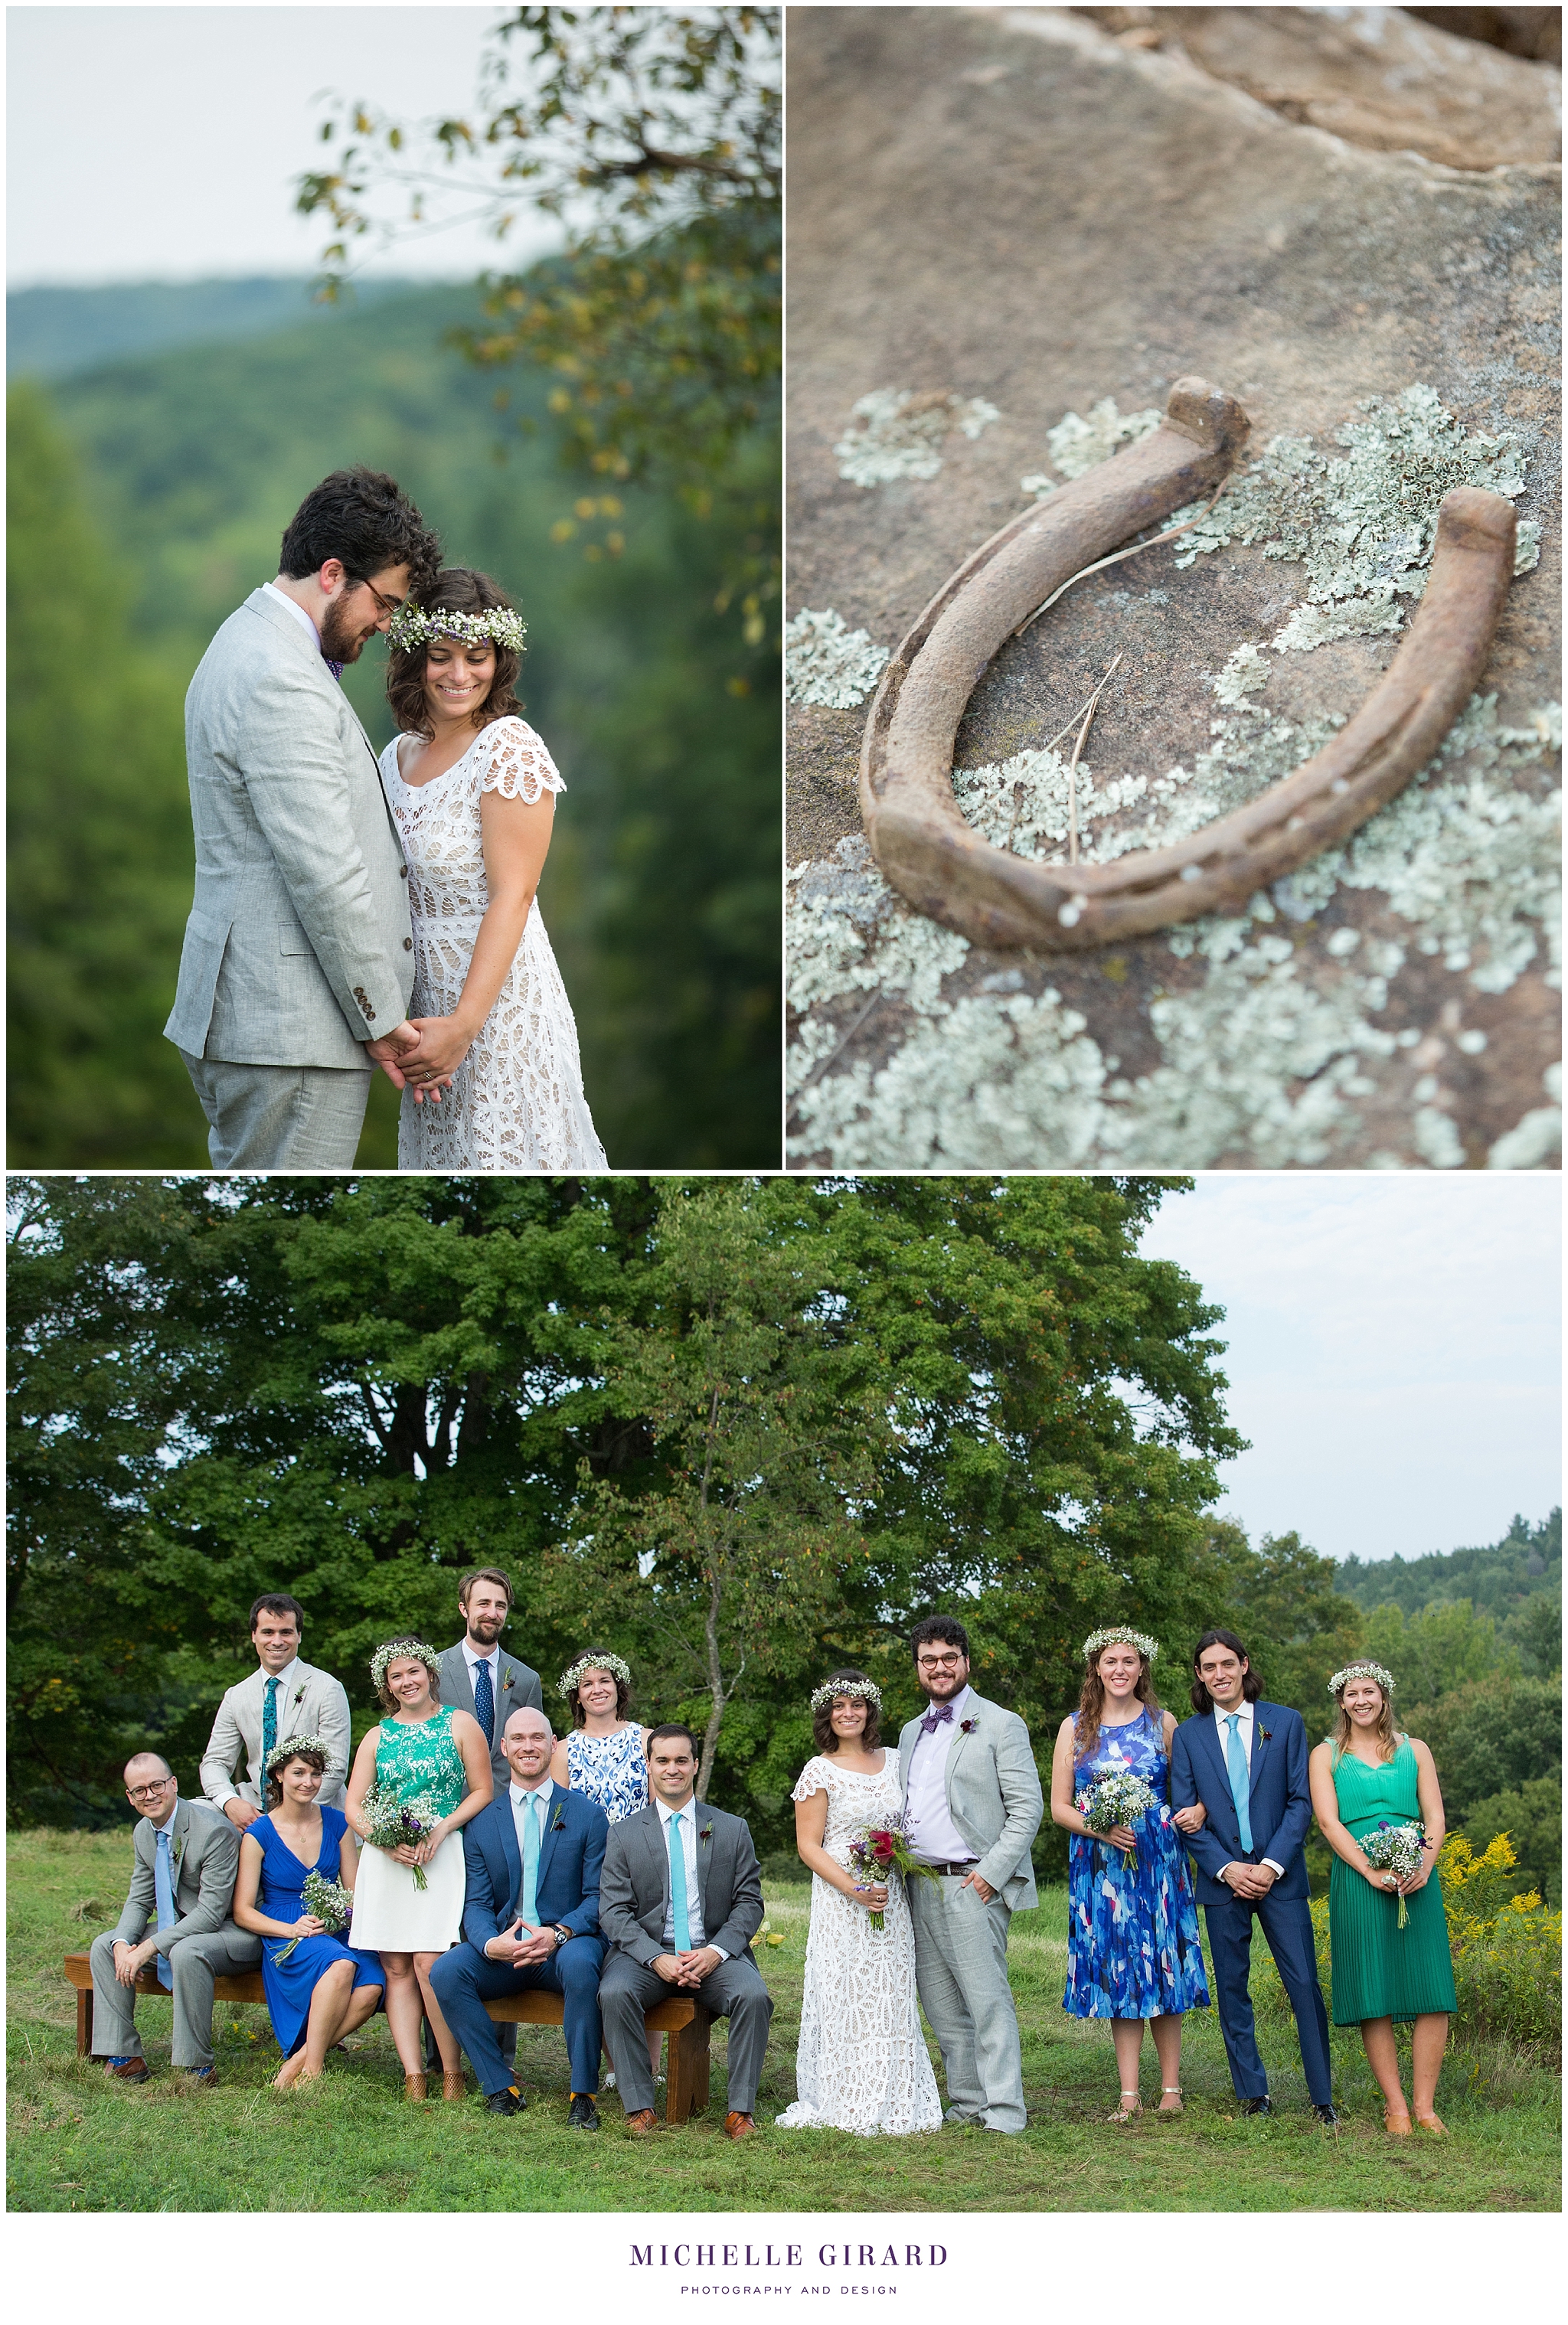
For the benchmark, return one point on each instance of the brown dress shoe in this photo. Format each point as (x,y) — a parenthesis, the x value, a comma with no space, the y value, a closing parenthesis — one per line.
(738,2127)
(127,2071)
(643,2122)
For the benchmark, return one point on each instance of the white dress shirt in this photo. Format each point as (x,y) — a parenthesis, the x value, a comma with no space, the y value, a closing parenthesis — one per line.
(297,610)
(934,1837)
(1244,1732)
(689,1821)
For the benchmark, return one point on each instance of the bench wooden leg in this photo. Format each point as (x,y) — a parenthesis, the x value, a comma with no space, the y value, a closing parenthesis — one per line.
(687,2079)
(84,2021)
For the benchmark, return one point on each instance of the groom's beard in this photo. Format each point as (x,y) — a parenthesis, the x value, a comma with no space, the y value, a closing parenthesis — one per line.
(342,639)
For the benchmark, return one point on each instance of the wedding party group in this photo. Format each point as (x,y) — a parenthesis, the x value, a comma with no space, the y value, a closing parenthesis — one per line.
(353,913)
(476,1856)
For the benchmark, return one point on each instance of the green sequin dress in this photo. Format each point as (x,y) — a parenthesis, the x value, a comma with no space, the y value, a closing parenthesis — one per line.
(1379,1970)
(415,1760)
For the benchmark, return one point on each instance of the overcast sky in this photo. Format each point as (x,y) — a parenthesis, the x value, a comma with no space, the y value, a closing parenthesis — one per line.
(163,144)
(1393,1350)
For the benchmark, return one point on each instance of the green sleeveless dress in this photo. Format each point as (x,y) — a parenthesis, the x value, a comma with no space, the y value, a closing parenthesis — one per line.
(1379,1970)
(414,1759)
(420,1759)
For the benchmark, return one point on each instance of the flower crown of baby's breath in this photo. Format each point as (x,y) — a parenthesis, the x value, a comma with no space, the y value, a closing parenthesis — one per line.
(1341,1679)
(292,1749)
(1118,1637)
(412,627)
(863,1690)
(573,1678)
(393,1652)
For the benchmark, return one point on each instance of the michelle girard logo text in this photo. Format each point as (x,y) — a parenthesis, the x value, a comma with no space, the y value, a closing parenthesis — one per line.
(831,2267)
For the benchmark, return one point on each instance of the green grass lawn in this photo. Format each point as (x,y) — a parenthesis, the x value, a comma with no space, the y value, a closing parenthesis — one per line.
(79,2144)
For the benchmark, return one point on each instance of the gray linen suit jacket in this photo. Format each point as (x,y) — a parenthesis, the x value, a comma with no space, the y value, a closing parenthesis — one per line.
(313,1703)
(516,1684)
(633,1889)
(298,947)
(993,1796)
(206,1852)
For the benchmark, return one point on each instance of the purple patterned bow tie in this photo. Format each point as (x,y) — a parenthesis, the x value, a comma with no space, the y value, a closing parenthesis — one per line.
(335,667)
(933,1720)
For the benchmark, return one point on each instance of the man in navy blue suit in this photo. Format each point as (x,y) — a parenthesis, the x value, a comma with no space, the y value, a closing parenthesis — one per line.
(530,1919)
(1246,1761)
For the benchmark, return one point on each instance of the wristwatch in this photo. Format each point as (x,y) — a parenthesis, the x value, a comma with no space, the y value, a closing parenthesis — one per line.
(563,1936)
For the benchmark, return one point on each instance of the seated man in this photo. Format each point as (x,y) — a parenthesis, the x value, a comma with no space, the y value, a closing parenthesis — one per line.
(672,1872)
(530,1919)
(186,1858)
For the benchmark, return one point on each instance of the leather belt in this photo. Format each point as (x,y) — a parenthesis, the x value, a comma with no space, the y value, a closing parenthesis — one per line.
(967,1866)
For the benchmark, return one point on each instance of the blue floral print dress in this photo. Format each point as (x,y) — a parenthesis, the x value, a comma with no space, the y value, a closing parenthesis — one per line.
(610,1769)
(1132,1950)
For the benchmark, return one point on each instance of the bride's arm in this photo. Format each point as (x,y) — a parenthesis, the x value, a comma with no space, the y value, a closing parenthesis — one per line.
(810,1823)
(515,836)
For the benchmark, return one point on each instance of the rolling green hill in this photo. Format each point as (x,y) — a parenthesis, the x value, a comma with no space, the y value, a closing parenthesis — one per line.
(1496,1579)
(55,329)
(172,475)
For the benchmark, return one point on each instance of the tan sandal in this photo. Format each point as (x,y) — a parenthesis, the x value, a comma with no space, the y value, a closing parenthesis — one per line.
(1171,2091)
(1124,2113)
(454,2085)
(1434,2124)
(1396,2123)
(413,2087)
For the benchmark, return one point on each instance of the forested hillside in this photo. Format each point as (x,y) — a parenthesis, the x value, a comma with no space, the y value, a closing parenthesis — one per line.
(53,330)
(148,498)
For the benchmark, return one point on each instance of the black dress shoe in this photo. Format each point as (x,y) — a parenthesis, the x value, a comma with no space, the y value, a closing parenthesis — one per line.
(510,2102)
(584,2114)
(1265,2106)
(1328,2114)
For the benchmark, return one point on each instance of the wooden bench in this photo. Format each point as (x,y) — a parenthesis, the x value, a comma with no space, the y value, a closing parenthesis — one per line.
(686,2022)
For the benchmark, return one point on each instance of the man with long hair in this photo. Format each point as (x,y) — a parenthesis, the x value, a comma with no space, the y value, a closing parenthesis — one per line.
(1246,1760)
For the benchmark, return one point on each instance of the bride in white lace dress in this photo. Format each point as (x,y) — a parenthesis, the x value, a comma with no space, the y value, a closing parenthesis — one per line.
(495,1083)
(862,2064)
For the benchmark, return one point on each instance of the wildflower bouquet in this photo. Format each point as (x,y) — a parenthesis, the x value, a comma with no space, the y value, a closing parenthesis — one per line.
(392,1823)
(1395,1848)
(1115,1800)
(880,1849)
(329,1902)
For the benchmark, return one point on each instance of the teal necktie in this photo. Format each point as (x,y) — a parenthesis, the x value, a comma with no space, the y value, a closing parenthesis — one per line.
(163,1891)
(269,1728)
(1240,1782)
(532,1814)
(678,1908)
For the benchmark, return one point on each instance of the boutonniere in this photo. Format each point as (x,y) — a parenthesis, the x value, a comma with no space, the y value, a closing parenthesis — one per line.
(505,1679)
(560,1823)
(1263,1734)
(707,1832)
(967,1727)
(177,1850)
(298,1695)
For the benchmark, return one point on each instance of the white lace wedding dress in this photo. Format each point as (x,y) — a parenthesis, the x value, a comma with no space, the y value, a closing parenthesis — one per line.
(516,1103)
(862,2064)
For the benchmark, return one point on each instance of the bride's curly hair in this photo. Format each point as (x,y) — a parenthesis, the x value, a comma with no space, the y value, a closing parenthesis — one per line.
(1092,1702)
(459,589)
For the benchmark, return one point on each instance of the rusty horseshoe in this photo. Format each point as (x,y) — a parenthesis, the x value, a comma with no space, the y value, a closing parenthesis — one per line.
(918,835)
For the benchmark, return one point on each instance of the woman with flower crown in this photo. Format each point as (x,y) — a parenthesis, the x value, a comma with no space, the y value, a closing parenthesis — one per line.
(861,2064)
(1388,1948)
(604,1755)
(497,1083)
(1133,1948)
(408,1901)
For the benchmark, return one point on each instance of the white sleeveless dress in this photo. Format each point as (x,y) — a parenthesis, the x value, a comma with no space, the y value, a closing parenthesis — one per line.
(516,1102)
(862,2064)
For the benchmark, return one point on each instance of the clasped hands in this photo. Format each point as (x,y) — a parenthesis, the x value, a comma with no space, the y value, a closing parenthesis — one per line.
(519,1953)
(1248,1880)
(688,1968)
(425,1052)
(130,1961)
(419,1852)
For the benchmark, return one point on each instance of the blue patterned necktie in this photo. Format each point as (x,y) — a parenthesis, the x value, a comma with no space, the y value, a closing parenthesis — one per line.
(679,1911)
(269,1728)
(485,1702)
(163,1891)
(533,1817)
(1240,1782)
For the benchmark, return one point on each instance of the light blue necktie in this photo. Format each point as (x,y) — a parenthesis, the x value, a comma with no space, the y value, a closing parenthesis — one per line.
(680,1916)
(533,1815)
(163,1890)
(1240,1782)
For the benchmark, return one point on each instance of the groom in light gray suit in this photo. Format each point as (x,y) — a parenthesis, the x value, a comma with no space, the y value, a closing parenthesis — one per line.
(972,1804)
(298,963)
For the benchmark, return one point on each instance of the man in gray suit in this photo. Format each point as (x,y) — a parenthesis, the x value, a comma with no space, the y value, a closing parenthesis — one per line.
(283,1696)
(298,964)
(972,1804)
(672,1873)
(476,1676)
(186,1858)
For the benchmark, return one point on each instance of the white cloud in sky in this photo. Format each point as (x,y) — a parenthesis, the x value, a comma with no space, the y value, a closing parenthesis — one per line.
(163,144)
(1393,1350)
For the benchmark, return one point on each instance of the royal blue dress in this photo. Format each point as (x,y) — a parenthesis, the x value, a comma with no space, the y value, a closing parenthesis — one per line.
(280,1896)
(1132,1950)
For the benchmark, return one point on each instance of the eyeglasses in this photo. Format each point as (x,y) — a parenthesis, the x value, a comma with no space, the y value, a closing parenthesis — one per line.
(148,1791)
(940,1663)
(388,606)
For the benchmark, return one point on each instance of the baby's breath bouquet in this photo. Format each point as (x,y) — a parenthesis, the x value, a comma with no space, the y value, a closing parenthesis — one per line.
(1395,1848)
(1115,1800)
(329,1902)
(392,1822)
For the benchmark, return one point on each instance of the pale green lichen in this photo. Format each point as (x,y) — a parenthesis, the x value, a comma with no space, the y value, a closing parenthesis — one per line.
(1078,445)
(1533,1142)
(902,432)
(828,662)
